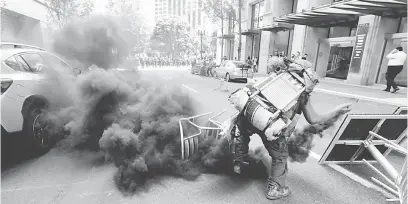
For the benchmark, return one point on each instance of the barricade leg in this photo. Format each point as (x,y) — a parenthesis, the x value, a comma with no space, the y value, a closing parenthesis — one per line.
(382,160)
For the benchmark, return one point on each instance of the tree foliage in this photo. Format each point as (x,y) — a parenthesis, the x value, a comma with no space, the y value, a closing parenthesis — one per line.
(217,13)
(61,11)
(173,36)
(127,14)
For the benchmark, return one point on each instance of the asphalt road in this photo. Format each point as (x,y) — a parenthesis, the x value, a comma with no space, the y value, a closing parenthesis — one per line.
(78,178)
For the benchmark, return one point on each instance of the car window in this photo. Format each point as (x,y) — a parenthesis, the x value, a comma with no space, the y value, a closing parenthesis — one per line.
(33,60)
(23,64)
(12,63)
(55,63)
(239,64)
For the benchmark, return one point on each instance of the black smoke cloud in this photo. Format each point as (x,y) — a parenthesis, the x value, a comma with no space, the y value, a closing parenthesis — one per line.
(132,122)
(95,40)
(300,142)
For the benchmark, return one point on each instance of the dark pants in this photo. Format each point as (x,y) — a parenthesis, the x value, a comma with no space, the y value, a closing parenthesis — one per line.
(277,149)
(210,72)
(392,72)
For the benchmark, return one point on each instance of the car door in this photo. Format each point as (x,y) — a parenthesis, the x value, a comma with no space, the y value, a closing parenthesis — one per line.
(21,76)
(54,63)
(37,65)
(221,70)
(229,68)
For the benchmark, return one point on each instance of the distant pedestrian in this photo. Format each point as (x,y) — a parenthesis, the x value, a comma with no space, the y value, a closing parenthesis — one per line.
(305,56)
(249,61)
(256,63)
(211,66)
(396,60)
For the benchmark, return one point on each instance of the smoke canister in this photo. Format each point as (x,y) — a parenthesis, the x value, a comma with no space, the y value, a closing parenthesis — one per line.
(258,114)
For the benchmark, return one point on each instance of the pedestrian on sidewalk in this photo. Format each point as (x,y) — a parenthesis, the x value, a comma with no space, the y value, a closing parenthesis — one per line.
(396,60)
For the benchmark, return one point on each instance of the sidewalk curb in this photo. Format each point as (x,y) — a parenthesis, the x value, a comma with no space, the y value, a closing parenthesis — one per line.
(359,97)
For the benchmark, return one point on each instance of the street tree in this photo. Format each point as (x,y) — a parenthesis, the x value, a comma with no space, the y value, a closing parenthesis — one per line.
(172,36)
(61,11)
(127,14)
(220,11)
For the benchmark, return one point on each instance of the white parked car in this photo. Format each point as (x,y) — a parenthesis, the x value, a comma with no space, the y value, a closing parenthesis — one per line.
(23,99)
(233,70)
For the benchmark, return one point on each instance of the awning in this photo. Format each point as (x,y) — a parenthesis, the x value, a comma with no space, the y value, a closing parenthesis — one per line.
(251,32)
(345,13)
(226,36)
(387,8)
(276,27)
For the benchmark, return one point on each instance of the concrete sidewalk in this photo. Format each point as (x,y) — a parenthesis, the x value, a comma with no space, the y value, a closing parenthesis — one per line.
(365,93)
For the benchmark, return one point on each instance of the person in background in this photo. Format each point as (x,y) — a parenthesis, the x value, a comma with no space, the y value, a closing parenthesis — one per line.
(249,61)
(211,66)
(256,61)
(305,56)
(396,60)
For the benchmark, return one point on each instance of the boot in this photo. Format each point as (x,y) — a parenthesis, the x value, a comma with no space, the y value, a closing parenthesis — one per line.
(239,166)
(275,190)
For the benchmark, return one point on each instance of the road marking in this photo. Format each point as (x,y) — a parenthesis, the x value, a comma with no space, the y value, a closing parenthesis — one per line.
(354,176)
(110,192)
(167,78)
(190,88)
(41,187)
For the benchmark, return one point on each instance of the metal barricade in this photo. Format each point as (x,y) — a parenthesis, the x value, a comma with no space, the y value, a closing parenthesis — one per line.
(367,139)
(223,85)
(190,143)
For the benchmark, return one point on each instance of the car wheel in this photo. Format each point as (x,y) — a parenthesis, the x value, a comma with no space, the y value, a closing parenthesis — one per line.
(36,127)
(227,78)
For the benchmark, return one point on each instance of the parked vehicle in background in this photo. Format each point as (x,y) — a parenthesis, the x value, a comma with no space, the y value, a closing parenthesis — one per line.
(233,70)
(27,72)
(196,68)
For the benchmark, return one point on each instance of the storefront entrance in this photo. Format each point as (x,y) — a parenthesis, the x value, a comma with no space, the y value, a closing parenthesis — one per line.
(334,56)
(339,61)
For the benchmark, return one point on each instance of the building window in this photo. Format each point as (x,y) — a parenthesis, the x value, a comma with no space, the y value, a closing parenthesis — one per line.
(258,10)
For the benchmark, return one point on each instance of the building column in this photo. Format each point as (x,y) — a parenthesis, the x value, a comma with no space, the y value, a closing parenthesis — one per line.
(365,72)
(315,48)
(264,51)
(248,47)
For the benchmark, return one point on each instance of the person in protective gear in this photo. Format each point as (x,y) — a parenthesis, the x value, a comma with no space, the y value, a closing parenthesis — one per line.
(275,137)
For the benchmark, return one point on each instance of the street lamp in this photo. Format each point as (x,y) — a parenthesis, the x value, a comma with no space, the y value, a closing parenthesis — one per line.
(201,33)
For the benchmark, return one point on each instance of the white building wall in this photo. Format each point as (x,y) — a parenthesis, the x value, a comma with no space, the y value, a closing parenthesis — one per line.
(25,21)
(29,8)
